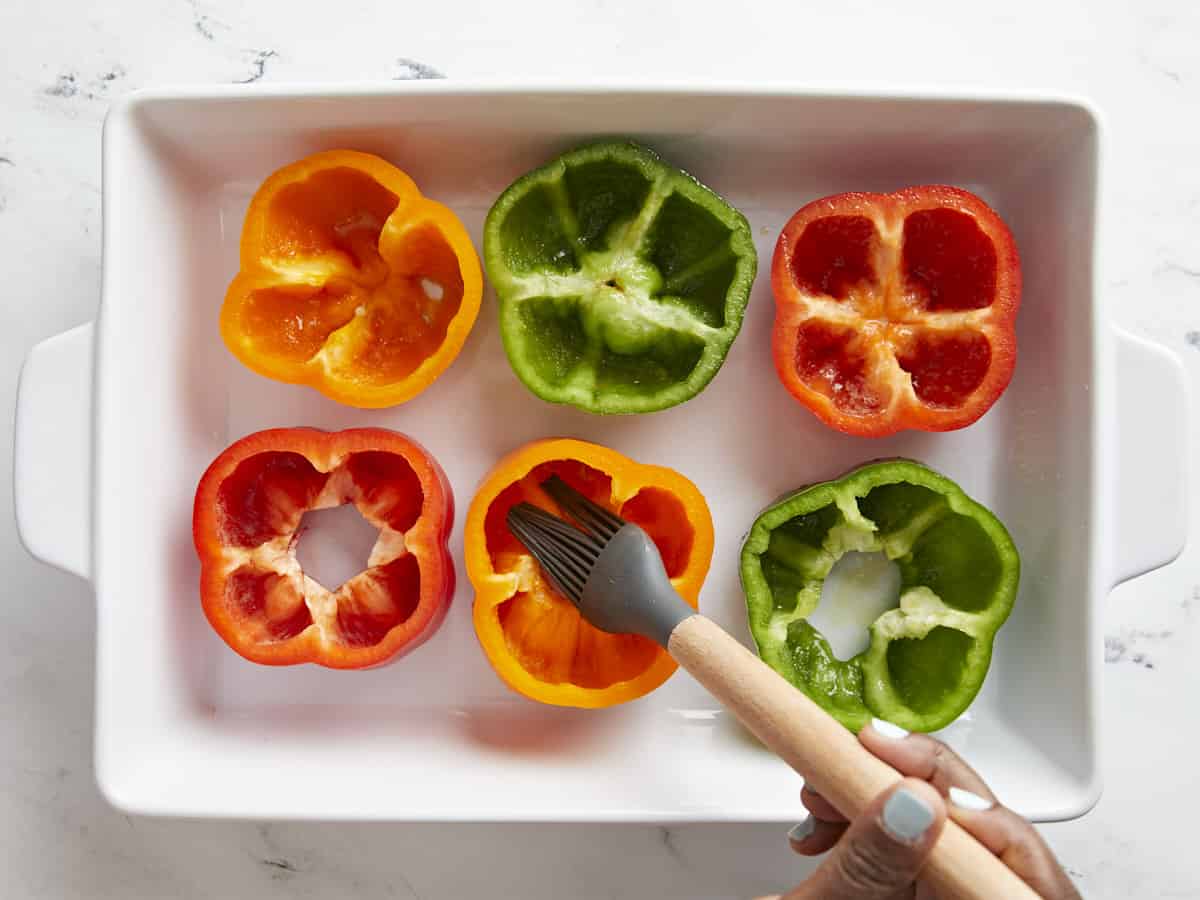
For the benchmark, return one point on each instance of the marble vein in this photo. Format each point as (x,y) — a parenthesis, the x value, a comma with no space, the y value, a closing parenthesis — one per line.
(71,84)
(204,23)
(411,69)
(258,66)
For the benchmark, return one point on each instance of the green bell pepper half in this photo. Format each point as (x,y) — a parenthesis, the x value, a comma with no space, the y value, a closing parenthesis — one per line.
(622,280)
(927,659)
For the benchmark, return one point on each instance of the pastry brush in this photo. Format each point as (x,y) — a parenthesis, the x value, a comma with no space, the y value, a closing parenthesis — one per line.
(613,573)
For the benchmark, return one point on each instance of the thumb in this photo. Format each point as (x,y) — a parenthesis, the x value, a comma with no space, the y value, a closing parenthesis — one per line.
(882,852)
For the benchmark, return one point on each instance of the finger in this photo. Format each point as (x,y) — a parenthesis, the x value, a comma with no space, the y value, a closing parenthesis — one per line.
(921,756)
(882,851)
(820,807)
(972,805)
(1016,843)
(812,837)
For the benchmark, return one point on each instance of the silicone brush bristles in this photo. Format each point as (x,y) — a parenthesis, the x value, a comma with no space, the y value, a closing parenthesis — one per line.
(609,569)
(565,553)
(591,517)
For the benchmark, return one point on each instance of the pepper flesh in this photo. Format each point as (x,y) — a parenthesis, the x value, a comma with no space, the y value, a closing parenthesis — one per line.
(351,282)
(534,637)
(248,508)
(928,657)
(622,281)
(896,311)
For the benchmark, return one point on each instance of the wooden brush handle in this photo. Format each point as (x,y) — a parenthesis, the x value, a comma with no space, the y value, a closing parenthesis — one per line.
(828,756)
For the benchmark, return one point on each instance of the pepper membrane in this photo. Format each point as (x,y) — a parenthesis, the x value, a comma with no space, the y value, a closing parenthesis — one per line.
(928,657)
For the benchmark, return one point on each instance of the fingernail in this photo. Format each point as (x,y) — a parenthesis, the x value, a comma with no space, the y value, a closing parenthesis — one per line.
(906,816)
(888,730)
(966,800)
(801,830)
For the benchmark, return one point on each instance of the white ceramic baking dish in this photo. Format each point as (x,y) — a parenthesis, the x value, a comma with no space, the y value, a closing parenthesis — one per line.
(1082,458)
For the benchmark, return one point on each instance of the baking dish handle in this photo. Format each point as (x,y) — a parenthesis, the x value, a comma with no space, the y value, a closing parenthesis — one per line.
(1152,422)
(52,451)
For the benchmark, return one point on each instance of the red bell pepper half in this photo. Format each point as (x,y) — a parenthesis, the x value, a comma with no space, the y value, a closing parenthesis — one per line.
(247,511)
(896,311)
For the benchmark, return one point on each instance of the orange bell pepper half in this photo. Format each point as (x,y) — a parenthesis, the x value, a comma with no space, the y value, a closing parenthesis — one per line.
(248,509)
(535,639)
(896,311)
(351,281)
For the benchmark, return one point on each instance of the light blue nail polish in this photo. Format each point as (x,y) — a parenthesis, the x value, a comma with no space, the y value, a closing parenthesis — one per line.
(888,730)
(906,817)
(801,830)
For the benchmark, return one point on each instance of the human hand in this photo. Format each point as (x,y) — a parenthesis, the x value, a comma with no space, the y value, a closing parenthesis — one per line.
(881,853)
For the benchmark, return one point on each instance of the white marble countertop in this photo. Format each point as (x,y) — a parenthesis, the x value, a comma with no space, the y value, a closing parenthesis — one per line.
(61,64)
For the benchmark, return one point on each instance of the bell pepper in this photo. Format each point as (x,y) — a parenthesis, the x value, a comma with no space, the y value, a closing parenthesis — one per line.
(256,596)
(896,311)
(622,280)
(928,657)
(351,282)
(534,637)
